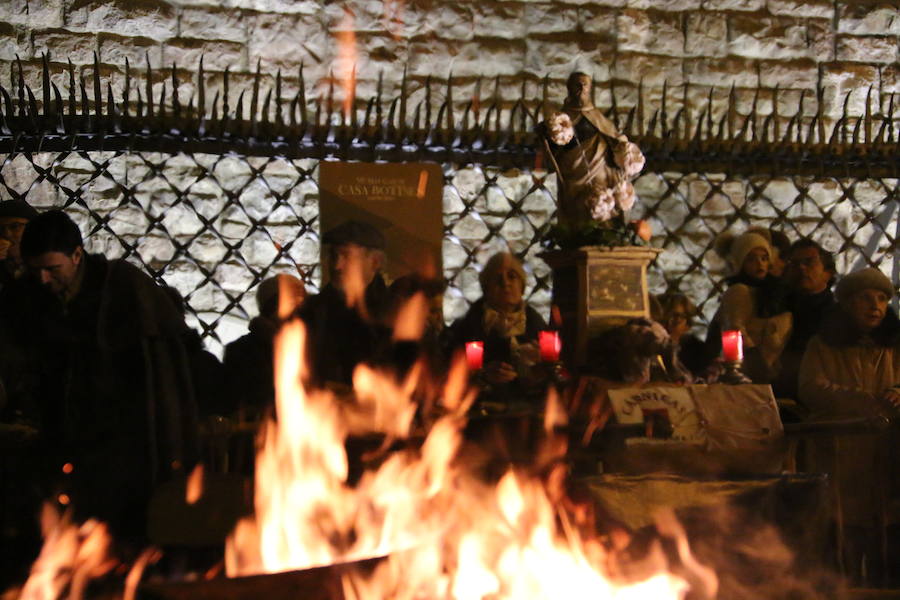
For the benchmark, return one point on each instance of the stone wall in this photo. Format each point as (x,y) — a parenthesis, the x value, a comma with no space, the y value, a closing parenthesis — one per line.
(792,44)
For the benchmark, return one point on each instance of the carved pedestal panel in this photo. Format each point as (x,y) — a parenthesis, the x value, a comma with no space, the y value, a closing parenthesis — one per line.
(596,288)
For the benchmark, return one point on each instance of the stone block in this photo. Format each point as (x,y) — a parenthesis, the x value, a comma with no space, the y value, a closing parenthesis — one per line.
(707,34)
(759,36)
(550,17)
(499,19)
(216,54)
(820,39)
(114,49)
(686,6)
(795,73)
(651,31)
(653,70)
(151,18)
(868,17)
(869,49)
(841,78)
(822,9)
(734,5)
(284,41)
(33,13)
(10,43)
(213,24)
(722,72)
(598,20)
(448,20)
(63,44)
(471,228)
(287,7)
(559,57)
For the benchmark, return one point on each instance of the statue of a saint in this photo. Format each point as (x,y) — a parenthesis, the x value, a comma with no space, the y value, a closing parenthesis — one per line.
(594,163)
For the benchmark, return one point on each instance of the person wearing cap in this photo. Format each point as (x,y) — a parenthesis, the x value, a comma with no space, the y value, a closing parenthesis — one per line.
(851,370)
(249,366)
(108,372)
(14,215)
(753,303)
(344,320)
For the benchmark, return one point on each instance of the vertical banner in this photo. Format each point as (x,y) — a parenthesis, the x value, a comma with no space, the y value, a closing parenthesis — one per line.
(403,200)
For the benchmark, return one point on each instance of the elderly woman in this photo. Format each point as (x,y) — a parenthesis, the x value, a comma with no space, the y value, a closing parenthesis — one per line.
(754,303)
(852,370)
(503,321)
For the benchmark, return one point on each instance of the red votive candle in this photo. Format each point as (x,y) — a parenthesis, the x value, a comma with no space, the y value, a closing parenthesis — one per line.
(474,355)
(732,345)
(550,345)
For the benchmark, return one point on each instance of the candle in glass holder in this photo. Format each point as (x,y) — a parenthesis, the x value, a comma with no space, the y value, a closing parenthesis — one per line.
(474,355)
(550,345)
(732,345)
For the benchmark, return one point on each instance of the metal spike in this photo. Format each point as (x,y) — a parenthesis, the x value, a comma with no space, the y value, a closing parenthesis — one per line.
(378,99)
(353,122)
(698,131)
(640,108)
(215,109)
(72,88)
(476,100)
(652,126)
(46,105)
(33,113)
(428,102)
(890,120)
(732,111)
(58,109)
(8,110)
(98,95)
(664,114)
(401,117)
(225,107)
(162,101)
(127,91)
(813,129)
(845,116)
(239,109)
(201,92)
(149,84)
(449,103)
(750,121)
(110,103)
(389,124)
(686,107)
(301,94)
(139,111)
(264,117)
(176,103)
(370,106)
(85,105)
(856,129)
(21,88)
(820,116)
(709,113)
(629,122)
(868,117)
(254,97)
(279,118)
(776,117)
(329,99)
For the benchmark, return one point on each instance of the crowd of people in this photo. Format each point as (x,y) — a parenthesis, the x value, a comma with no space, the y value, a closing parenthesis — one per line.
(99,359)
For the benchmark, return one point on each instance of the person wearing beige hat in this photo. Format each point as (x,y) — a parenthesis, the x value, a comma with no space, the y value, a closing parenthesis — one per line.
(754,303)
(851,370)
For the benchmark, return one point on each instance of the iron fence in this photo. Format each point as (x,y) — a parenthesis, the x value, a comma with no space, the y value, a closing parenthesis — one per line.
(213,197)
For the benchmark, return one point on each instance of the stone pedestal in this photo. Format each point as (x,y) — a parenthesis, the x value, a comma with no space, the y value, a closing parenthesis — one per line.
(596,288)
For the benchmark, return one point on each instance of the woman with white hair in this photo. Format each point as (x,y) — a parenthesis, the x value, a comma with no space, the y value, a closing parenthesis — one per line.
(754,303)
(851,369)
(503,321)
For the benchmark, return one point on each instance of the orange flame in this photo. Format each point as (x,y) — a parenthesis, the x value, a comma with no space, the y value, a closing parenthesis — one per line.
(346,59)
(194,487)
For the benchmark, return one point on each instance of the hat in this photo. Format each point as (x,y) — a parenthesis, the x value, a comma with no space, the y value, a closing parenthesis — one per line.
(355,232)
(864,279)
(736,248)
(18,209)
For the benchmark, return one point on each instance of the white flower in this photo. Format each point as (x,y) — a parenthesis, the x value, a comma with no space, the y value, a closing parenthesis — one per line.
(602,204)
(560,129)
(624,194)
(629,158)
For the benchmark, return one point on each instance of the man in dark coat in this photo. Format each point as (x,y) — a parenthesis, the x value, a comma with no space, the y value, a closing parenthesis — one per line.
(345,320)
(107,371)
(14,215)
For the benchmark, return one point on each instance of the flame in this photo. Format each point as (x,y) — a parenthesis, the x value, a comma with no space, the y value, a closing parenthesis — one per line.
(445,531)
(346,59)
(194,487)
(72,555)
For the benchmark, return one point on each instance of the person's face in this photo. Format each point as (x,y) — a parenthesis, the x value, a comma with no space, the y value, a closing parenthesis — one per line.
(579,89)
(756,263)
(11,229)
(353,264)
(677,322)
(435,319)
(867,308)
(56,271)
(504,287)
(806,273)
